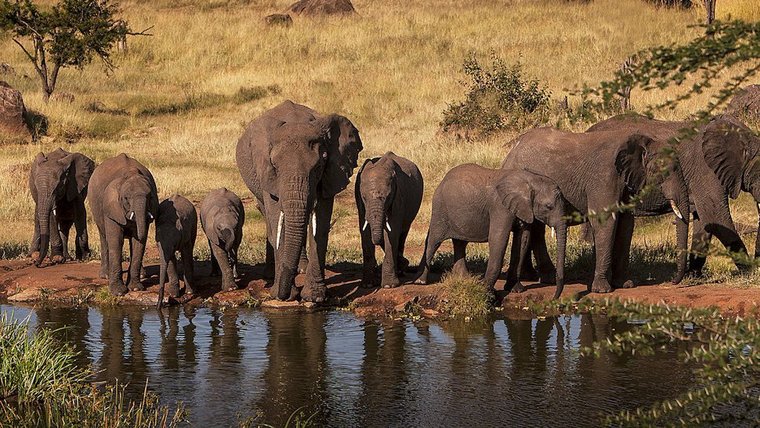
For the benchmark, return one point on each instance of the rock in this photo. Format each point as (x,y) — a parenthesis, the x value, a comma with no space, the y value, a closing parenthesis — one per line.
(62,97)
(279,304)
(13,128)
(746,104)
(322,7)
(281,19)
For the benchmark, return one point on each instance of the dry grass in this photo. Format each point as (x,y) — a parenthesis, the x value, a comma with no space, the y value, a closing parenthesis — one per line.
(392,71)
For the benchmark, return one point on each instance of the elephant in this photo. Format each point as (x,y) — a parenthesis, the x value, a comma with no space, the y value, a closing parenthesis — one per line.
(295,161)
(388,194)
(222,219)
(595,172)
(58,184)
(717,161)
(176,230)
(478,204)
(124,202)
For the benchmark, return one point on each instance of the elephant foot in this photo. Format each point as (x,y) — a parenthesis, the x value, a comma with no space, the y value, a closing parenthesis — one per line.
(518,287)
(135,286)
(548,277)
(143,275)
(422,278)
(390,282)
(314,293)
(601,285)
(57,259)
(117,289)
(229,286)
(275,293)
(626,284)
(173,290)
(303,265)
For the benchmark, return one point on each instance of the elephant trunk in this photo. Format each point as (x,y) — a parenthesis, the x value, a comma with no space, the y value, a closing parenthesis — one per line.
(44,214)
(293,237)
(376,220)
(162,274)
(682,240)
(757,239)
(141,220)
(561,247)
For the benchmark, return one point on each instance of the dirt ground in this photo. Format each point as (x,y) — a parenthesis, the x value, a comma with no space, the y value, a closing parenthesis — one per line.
(78,283)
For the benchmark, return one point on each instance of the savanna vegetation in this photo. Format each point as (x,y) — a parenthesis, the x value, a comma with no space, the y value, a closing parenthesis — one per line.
(178,99)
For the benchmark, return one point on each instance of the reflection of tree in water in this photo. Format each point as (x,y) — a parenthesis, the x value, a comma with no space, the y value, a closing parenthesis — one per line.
(297,370)
(71,326)
(123,355)
(384,379)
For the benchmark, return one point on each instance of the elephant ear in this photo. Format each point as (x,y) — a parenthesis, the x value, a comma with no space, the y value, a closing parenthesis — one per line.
(343,145)
(80,169)
(724,153)
(265,170)
(514,192)
(112,206)
(629,161)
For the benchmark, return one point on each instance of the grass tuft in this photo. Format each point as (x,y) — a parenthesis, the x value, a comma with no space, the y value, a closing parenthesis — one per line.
(466,296)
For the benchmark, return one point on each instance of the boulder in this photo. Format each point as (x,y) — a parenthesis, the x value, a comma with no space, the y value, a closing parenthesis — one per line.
(322,7)
(746,104)
(279,19)
(13,128)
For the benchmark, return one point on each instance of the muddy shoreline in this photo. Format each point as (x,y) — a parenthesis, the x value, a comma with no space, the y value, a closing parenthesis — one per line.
(76,283)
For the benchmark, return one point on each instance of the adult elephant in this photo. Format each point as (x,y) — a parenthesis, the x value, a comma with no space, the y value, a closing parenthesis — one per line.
(295,161)
(123,202)
(58,184)
(595,171)
(717,159)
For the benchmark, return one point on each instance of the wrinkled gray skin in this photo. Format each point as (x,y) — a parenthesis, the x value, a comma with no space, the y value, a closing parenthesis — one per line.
(594,171)
(718,162)
(58,184)
(123,201)
(295,161)
(388,195)
(222,218)
(477,204)
(176,230)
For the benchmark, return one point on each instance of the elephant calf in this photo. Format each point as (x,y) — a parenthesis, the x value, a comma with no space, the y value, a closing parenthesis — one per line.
(222,218)
(176,230)
(477,204)
(388,195)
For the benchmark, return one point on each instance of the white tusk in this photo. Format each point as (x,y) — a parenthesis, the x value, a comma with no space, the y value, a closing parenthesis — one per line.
(387,225)
(758,205)
(366,223)
(131,215)
(614,216)
(56,214)
(150,216)
(279,231)
(554,233)
(676,210)
(314,224)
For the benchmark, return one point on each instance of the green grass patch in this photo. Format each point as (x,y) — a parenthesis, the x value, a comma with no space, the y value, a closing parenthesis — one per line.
(466,297)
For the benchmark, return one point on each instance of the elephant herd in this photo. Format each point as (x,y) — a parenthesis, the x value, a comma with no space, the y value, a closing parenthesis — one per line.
(295,161)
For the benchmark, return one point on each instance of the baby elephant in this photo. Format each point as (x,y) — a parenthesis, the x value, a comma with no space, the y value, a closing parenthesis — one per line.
(222,218)
(388,195)
(477,204)
(176,229)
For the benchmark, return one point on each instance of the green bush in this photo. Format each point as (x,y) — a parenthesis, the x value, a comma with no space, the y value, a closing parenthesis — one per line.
(466,296)
(498,97)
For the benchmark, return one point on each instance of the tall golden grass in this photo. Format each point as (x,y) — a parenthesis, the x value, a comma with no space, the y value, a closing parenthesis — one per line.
(392,70)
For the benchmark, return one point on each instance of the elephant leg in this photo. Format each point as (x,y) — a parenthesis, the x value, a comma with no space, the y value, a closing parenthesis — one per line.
(604,234)
(115,237)
(104,252)
(188,268)
(171,270)
(700,245)
(498,240)
(389,274)
(234,263)
(82,244)
(546,271)
(222,258)
(34,248)
(315,290)
(303,262)
(56,245)
(65,229)
(136,253)
(621,250)
(369,262)
(432,242)
(518,256)
(215,271)
(402,263)
(460,257)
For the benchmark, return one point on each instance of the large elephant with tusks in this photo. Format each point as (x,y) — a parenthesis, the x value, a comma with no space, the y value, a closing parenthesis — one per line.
(295,160)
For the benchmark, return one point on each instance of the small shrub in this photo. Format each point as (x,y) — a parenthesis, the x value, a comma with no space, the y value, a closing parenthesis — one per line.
(498,97)
(466,296)
(671,3)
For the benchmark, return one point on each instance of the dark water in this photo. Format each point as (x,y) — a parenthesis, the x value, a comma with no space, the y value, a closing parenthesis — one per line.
(236,363)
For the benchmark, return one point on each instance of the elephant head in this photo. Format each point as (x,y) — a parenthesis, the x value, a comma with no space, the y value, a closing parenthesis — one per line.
(131,200)
(630,162)
(377,189)
(306,160)
(729,148)
(58,176)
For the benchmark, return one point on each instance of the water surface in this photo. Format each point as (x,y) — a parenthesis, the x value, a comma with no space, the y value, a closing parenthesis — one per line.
(227,365)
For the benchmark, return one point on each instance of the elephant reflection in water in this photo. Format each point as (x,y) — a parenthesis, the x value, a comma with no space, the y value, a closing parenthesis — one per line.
(296,375)
(76,325)
(176,355)
(128,365)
